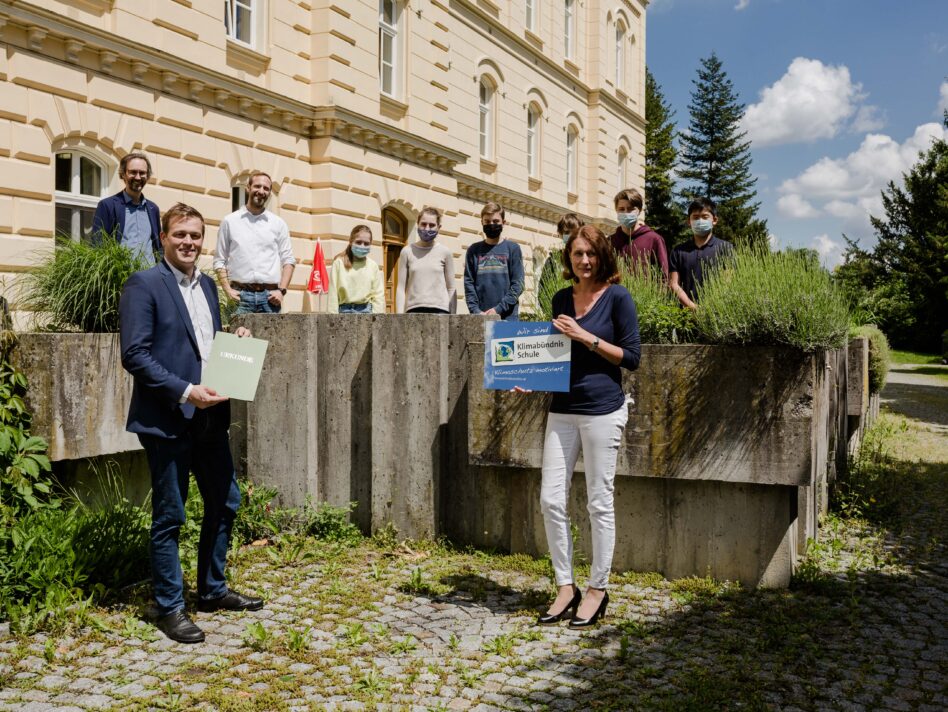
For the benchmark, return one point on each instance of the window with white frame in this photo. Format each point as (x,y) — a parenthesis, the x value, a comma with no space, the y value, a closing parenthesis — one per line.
(623,168)
(620,55)
(572,158)
(533,141)
(80,182)
(389,16)
(238,195)
(486,106)
(240,21)
(569,30)
(531,20)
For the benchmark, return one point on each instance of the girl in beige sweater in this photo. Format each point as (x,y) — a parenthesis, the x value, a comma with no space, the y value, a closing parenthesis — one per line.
(426,271)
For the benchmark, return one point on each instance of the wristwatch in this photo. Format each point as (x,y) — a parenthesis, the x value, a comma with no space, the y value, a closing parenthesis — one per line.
(594,345)
(282,290)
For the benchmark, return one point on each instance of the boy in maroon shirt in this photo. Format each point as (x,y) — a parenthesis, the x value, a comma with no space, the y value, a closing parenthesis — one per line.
(633,240)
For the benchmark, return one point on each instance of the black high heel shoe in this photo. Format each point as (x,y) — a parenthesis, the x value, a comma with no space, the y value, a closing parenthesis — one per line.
(591,621)
(553,618)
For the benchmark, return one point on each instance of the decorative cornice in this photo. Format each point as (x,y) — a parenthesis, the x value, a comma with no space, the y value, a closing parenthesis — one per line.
(482,192)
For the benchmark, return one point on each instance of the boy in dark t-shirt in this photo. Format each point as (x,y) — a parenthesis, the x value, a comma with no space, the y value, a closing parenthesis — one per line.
(493,269)
(689,260)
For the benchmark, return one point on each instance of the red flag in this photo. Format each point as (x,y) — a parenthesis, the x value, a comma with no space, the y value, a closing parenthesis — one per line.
(319,276)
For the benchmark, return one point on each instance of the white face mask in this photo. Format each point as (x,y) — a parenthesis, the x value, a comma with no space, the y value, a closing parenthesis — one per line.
(701,227)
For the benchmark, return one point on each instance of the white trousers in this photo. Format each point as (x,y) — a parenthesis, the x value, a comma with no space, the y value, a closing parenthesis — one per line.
(599,436)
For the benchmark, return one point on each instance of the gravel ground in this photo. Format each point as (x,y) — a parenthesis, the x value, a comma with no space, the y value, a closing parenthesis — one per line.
(865,627)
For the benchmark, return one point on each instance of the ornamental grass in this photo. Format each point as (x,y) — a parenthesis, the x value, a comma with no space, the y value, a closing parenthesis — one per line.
(79,286)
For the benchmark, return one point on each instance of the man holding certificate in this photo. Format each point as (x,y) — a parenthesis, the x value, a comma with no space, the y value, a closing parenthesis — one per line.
(168,317)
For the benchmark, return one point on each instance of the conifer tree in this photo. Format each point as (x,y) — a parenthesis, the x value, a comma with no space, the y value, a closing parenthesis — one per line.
(715,157)
(663,214)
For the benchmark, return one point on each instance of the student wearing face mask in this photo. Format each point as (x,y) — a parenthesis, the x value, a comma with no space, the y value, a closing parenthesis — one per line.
(633,240)
(493,269)
(426,271)
(689,260)
(355,280)
(567,226)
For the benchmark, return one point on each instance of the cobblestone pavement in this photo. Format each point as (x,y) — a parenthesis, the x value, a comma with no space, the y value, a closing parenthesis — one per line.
(377,626)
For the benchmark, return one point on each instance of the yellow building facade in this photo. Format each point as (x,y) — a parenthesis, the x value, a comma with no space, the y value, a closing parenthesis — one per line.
(362,111)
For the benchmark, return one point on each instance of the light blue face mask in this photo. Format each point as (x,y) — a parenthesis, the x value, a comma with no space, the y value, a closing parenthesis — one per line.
(361,251)
(564,237)
(701,227)
(628,219)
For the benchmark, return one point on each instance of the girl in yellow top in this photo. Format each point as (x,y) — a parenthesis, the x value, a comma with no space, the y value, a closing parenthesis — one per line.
(355,280)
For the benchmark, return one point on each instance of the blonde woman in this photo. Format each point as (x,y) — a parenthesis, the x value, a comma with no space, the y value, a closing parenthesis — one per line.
(426,271)
(355,280)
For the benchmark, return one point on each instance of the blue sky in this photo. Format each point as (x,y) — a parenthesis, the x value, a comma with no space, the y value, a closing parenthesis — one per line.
(841,96)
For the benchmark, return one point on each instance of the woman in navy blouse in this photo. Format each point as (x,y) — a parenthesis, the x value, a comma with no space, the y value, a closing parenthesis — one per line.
(599,316)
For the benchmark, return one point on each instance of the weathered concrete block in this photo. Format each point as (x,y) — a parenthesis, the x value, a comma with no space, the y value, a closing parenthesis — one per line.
(857,391)
(731,414)
(78,393)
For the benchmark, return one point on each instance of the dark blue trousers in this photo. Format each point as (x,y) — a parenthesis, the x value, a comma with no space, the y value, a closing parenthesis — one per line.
(203,449)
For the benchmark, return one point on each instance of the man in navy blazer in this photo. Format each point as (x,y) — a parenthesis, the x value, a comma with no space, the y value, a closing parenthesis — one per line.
(168,317)
(128,216)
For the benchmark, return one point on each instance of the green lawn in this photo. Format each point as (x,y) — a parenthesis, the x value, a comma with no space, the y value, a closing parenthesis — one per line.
(914,357)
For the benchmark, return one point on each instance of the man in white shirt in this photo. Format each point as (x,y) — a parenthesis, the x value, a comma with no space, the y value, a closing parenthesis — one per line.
(254,259)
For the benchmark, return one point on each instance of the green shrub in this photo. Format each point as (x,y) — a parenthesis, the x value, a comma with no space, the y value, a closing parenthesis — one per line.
(661,318)
(25,483)
(880,357)
(551,281)
(79,287)
(873,485)
(330,523)
(771,298)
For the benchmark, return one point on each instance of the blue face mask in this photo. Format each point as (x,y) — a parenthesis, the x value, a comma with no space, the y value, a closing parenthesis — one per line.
(701,227)
(628,219)
(360,251)
(564,237)
(427,235)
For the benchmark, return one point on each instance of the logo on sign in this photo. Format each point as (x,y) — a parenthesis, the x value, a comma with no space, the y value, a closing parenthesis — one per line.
(503,351)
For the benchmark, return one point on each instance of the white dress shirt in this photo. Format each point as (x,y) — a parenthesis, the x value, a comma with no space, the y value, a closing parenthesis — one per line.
(253,248)
(200,312)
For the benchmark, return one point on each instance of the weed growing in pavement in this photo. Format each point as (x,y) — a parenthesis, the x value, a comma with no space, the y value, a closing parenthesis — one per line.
(405,645)
(372,683)
(355,634)
(297,639)
(257,636)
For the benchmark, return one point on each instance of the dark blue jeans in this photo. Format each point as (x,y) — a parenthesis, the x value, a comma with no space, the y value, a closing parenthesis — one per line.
(255,303)
(204,450)
(351,308)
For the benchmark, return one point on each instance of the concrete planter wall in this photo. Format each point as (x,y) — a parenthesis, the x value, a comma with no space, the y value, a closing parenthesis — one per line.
(724,469)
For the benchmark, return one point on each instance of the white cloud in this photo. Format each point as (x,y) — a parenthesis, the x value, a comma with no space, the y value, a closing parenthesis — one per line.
(830,250)
(943,100)
(850,188)
(868,118)
(742,4)
(793,206)
(773,242)
(810,101)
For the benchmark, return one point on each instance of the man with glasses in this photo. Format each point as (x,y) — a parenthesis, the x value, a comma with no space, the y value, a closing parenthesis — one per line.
(127,216)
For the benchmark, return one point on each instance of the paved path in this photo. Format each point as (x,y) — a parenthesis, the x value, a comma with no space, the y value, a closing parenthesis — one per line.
(382,627)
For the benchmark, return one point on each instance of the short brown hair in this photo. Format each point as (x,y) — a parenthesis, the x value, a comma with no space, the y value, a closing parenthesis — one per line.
(607,271)
(180,211)
(632,195)
(123,164)
(254,174)
(569,223)
(433,211)
(491,208)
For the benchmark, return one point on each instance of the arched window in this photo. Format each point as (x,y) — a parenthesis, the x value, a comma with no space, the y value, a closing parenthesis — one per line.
(623,168)
(533,141)
(389,47)
(80,182)
(486,106)
(572,159)
(569,29)
(620,55)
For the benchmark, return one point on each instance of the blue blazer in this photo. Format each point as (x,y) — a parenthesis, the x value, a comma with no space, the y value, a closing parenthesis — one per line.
(110,218)
(161,352)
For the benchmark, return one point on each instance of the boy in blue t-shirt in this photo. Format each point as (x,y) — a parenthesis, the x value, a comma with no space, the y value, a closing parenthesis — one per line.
(493,269)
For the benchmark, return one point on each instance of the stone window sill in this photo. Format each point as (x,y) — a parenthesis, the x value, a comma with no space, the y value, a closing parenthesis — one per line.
(571,66)
(533,38)
(534,183)
(247,56)
(392,107)
(488,166)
